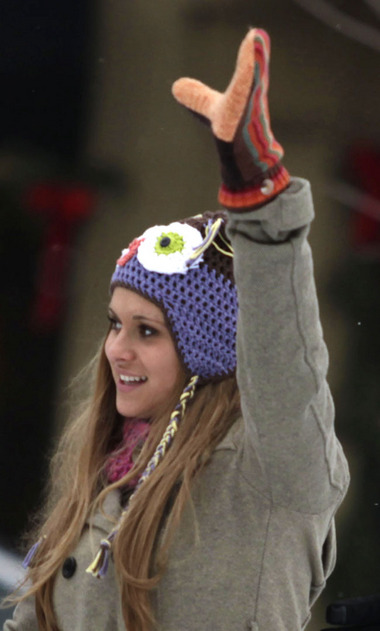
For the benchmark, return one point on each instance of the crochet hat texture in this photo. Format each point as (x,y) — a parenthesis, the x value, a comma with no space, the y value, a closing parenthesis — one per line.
(186,269)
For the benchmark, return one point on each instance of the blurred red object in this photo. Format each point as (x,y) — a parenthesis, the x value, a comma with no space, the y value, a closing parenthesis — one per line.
(364,172)
(64,206)
(70,202)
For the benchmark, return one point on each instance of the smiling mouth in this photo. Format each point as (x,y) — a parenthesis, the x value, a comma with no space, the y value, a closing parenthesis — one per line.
(132,380)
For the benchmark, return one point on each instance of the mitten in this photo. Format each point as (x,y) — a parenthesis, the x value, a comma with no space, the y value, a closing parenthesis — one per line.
(251,168)
(362,612)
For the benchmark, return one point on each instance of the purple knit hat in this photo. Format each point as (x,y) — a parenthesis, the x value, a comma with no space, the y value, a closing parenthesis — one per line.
(186,269)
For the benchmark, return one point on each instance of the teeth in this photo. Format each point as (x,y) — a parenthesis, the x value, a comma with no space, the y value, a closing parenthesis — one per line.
(127,379)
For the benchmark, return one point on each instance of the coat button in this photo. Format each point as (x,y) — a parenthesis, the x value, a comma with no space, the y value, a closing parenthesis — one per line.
(69,567)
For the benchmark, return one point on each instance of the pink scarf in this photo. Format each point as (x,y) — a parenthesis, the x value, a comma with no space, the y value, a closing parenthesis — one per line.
(120,461)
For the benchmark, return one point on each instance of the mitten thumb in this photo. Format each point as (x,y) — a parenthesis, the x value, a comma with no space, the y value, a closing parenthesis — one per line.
(197,97)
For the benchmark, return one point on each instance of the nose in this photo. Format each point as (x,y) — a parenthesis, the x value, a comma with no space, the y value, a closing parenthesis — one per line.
(120,348)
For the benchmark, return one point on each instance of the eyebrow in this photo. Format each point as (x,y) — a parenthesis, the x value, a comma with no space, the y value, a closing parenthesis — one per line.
(138,317)
(150,319)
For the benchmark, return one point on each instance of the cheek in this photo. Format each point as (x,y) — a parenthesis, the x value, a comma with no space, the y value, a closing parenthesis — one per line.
(107,349)
(172,370)
(168,368)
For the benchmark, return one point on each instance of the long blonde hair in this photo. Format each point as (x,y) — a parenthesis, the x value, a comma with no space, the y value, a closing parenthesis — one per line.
(78,487)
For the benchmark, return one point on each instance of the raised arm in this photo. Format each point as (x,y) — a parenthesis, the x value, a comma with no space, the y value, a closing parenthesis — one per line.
(282,358)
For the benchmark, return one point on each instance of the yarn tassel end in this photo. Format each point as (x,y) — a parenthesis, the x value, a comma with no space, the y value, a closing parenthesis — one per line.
(98,568)
(31,553)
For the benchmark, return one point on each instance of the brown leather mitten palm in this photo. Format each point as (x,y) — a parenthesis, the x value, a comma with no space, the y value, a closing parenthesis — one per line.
(251,168)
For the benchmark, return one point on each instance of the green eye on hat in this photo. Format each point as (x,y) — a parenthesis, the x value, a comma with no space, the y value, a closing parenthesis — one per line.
(168,243)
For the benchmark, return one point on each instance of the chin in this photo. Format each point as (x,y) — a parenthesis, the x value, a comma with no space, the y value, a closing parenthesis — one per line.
(131,411)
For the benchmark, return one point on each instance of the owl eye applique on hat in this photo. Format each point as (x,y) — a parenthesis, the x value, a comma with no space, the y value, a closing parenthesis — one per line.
(169,249)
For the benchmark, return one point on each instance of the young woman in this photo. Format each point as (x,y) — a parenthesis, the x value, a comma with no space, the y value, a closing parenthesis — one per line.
(198,488)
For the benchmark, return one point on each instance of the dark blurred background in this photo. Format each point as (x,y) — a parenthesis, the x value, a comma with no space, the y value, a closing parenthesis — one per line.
(93,149)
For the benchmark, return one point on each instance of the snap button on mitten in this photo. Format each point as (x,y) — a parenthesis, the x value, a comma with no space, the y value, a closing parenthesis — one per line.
(267,188)
(69,567)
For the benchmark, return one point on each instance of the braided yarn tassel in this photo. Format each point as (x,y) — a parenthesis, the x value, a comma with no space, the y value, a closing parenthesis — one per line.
(99,566)
(170,431)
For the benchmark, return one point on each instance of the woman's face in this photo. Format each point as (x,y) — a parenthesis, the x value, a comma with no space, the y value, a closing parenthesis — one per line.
(141,354)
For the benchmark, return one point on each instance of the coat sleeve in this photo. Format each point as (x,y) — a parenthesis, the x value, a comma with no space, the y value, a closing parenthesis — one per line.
(282,358)
(24,617)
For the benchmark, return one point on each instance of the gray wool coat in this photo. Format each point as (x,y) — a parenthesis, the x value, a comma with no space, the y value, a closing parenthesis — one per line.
(265,505)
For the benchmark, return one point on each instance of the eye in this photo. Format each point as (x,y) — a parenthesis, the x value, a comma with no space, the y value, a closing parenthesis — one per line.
(147,331)
(115,325)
